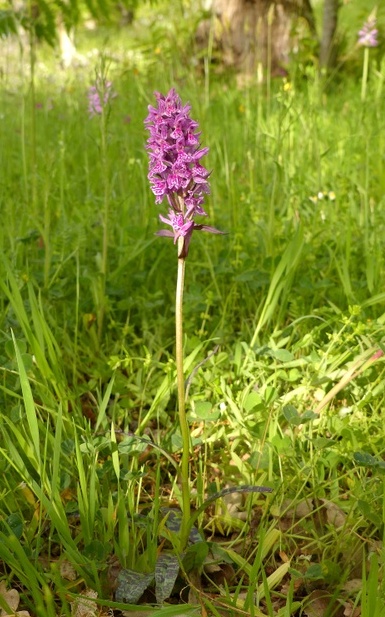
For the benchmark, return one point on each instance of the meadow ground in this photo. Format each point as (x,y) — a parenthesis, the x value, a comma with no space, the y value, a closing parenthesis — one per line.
(284,340)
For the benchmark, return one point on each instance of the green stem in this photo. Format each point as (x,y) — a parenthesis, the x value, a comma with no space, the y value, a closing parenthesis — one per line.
(32,59)
(46,238)
(365,74)
(104,260)
(183,423)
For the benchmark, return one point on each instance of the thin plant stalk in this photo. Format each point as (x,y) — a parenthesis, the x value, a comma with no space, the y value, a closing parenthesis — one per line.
(367,37)
(104,261)
(99,97)
(23,137)
(183,422)
(365,74)
(32,61)
(270,19)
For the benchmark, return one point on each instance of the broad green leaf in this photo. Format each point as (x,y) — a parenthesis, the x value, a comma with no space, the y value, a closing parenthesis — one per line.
(283,355)
(253,399)
(9,348)
(367,460)
(369,513)
(314,572)
(292,415)
(195,556)
(97,551)
(203,410)
(15,524)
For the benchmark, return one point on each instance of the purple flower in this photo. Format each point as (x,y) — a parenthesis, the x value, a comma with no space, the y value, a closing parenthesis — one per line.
(367,36)
(98,97)
(175,170)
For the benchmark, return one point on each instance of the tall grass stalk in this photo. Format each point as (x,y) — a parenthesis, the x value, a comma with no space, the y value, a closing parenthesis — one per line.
(280,285)
(32,61)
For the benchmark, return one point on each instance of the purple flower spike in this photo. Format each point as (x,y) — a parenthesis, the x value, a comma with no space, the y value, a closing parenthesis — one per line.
(367,36)
(175,171)
(98,97)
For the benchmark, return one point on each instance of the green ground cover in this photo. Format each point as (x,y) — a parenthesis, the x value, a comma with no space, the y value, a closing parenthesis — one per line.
(284,323)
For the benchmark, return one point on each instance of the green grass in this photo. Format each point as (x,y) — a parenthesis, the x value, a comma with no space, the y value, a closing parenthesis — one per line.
(291,301)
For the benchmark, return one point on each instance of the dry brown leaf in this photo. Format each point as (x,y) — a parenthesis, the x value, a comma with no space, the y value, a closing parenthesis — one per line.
(233,499)
(291,512)
(335,516)
(67,571)
(302,509)
(232,513)
(84,606)
(284,557)
(350,611)
(317,604)
(12,598)
(223,575)
(234,503)
(212,567)
(285,589)
(353,586)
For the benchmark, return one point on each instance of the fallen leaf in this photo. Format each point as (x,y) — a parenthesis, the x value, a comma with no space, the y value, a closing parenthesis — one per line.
(335,516)
(292,509)
(11,597)
(350,611)
(223,575)
(353,585)
(318,603)
(234,503)
(291,512)
(84,605)
(67,571)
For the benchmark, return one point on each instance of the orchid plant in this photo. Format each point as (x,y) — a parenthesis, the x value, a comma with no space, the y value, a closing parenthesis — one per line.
(100,96)
(367,38)
(177,176)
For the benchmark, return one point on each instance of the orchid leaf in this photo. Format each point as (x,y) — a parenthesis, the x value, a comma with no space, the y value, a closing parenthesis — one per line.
(166,572)
(132,585)
(173,523)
